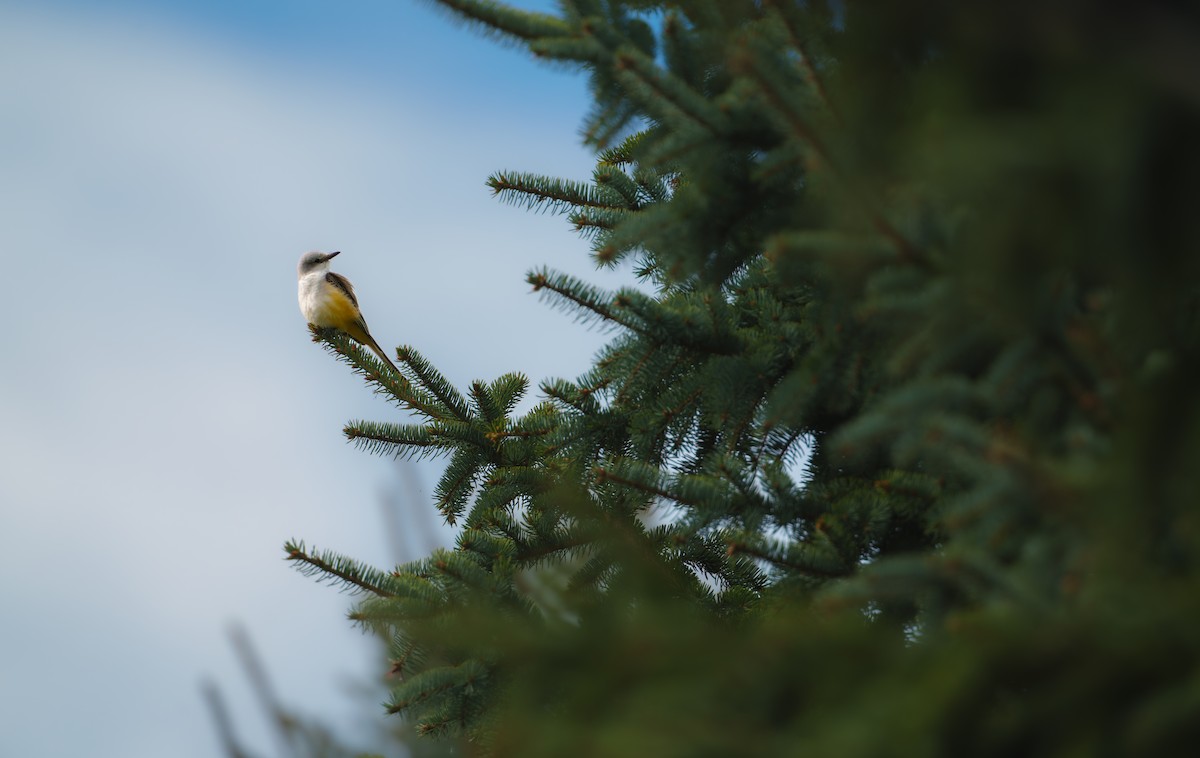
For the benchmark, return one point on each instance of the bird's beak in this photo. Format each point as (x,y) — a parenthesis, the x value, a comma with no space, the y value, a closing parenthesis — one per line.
(339,252)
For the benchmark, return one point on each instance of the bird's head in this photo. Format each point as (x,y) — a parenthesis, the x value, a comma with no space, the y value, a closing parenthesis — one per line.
(310,262)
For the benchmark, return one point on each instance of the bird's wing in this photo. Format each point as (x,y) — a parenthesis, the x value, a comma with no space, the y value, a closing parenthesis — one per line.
(343,284)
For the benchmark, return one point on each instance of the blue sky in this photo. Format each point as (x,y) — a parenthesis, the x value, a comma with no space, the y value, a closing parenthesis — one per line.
(165,422)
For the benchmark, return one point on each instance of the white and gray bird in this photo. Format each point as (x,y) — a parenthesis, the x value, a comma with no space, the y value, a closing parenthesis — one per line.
(327,300)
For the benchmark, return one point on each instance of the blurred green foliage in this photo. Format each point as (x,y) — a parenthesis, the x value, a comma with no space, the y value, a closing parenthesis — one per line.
(897,449)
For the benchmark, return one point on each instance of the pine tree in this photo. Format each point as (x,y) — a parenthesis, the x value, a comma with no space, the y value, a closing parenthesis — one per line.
(894,451)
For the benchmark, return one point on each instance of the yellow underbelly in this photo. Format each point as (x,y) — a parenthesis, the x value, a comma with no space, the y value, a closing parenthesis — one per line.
(335,310)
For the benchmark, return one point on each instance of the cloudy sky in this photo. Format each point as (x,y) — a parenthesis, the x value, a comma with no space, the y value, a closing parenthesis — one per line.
(165,422)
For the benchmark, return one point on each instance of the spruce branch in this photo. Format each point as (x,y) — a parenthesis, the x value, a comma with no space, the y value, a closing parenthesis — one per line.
(782,13)
(625,153)
(594,571)
(653,184)
(532,552)
(637,476)
(596,221)
(434,382)
(485,402)
(402,441)
(804,558)
(631,376)
(751,62)
(590,303)
(663,94)
(620,183)
(417,595)
(457,483)
(779,450)
(507,390)
(512,433)
(371,368)
(402,649)
(505,22)
(463,435)
(576,48)
(434,682)
(483,526)
(570,394)
(653,229)
(491,508)
(463,572)
(538,192)
(331,566)
(705,14)
(606,120)
(683,404)
(681,320)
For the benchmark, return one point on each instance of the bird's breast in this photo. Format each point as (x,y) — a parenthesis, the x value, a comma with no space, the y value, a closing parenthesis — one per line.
(323,305)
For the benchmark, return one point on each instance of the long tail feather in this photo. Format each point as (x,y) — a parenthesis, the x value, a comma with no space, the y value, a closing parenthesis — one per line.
(359,332)
(379,351)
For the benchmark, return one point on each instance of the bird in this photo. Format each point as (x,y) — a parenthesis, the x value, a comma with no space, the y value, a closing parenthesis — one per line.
(327,300)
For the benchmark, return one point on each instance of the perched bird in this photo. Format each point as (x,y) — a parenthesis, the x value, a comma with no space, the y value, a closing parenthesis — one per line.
(327,300)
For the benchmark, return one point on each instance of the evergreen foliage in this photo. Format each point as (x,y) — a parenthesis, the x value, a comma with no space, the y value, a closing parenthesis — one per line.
(895,451)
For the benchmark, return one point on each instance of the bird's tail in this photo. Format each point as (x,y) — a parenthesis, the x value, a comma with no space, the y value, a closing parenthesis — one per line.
(371,343)
(360,334)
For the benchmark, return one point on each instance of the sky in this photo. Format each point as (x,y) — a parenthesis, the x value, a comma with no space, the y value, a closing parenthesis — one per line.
(165,421)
